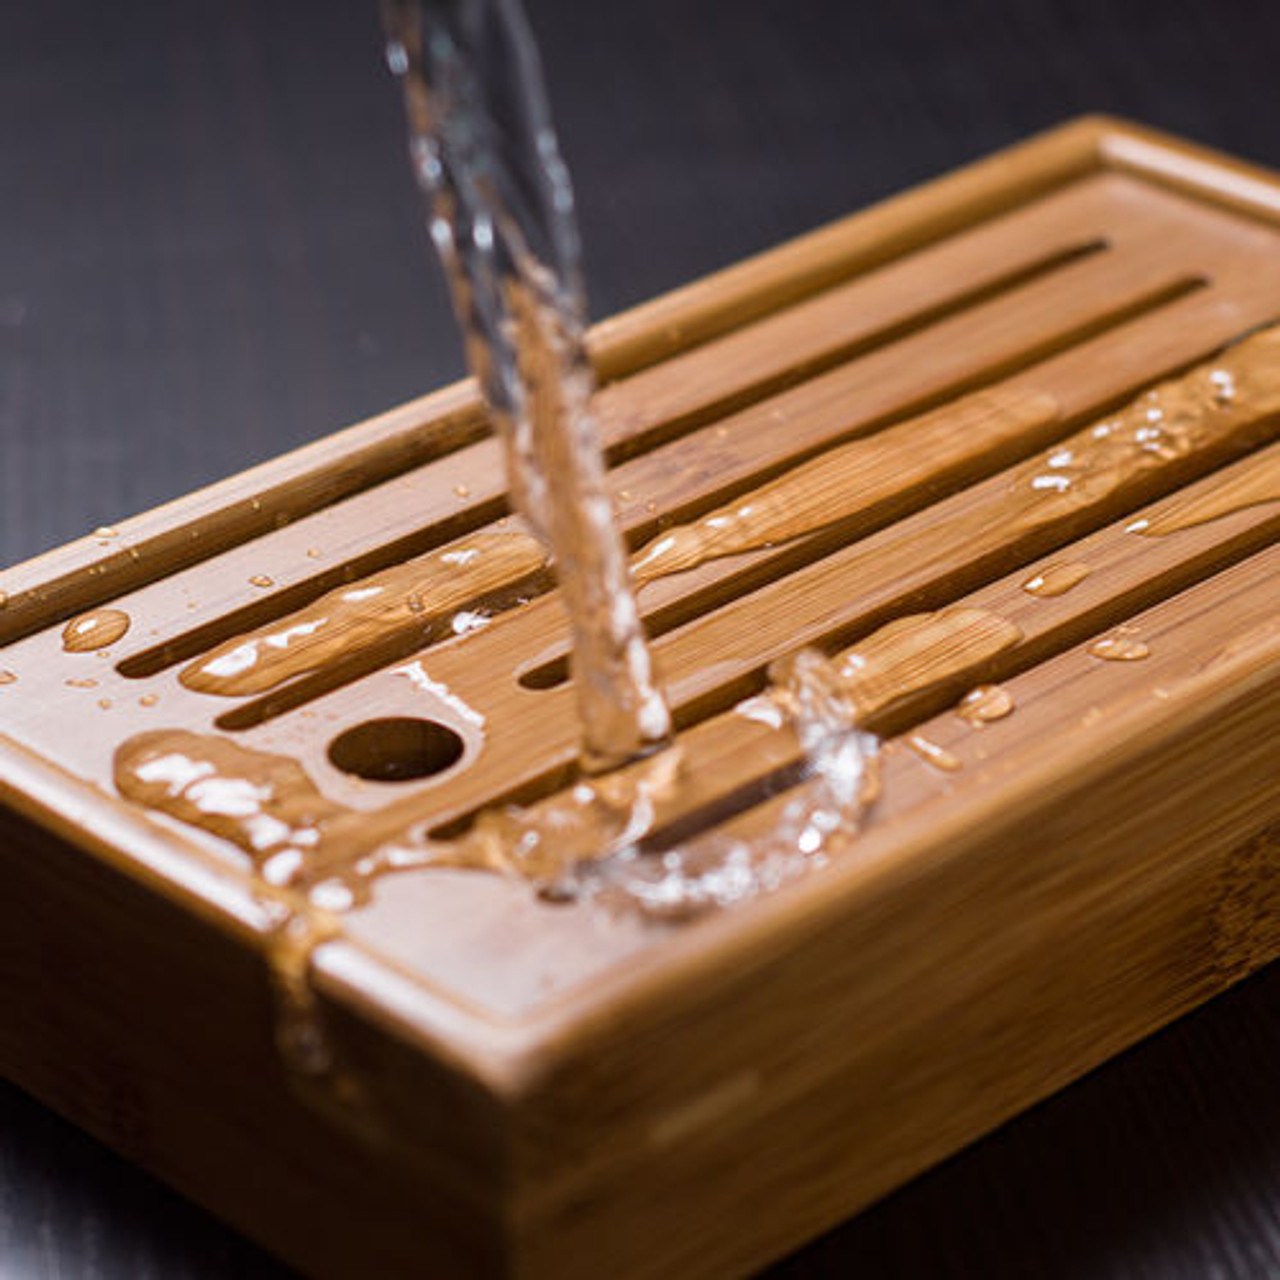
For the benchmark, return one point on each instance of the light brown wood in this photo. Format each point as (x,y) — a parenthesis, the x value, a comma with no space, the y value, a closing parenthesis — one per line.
(1052,868)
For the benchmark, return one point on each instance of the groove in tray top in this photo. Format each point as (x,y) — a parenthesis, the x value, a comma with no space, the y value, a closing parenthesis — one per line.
(657,404)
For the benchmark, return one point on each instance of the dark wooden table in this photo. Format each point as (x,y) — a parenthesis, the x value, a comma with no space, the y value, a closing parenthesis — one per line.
(210,251)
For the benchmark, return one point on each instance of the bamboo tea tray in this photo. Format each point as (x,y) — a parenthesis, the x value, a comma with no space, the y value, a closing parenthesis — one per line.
(951,398)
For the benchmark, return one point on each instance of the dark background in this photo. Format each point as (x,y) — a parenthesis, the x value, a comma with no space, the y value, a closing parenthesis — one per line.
(210,251)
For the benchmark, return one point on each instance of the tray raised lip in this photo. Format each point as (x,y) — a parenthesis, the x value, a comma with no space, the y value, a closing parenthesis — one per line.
(509,1057)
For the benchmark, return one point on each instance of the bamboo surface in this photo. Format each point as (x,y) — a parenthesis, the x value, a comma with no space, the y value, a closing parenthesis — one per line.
(545,1086)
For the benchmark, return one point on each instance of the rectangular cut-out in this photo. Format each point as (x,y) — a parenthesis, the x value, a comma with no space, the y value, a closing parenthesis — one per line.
(1054,866)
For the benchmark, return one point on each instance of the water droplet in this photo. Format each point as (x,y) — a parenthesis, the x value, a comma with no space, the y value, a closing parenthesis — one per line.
(932,753)
(7,676)
(261,580)
(4,599)
(105,703)
(1118,648)
(87,683)
(148,700)
(462,490)
(106,531)
(1056,579)
(266,804)
(313,553)
(95,630)
(984,704)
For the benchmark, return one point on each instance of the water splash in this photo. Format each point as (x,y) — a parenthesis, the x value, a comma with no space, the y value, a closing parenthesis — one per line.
(598,845)
(501,216)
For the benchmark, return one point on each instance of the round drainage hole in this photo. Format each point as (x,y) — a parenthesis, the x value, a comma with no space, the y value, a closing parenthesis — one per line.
(397,749)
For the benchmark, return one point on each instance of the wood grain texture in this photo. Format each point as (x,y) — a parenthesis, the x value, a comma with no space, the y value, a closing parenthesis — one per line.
(1224,1223)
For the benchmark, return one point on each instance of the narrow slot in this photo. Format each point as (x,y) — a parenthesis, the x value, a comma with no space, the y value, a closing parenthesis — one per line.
(823,361)
(676,613)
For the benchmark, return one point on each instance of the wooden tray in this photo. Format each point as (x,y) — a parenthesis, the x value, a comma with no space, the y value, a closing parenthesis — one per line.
(549,1090)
